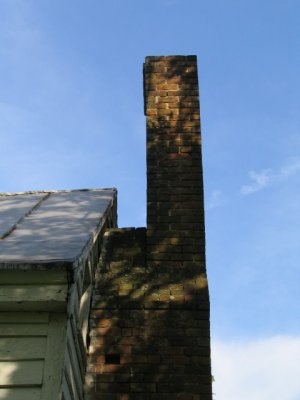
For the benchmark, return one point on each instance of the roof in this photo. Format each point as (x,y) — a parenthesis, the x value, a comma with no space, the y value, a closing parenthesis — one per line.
(47,226)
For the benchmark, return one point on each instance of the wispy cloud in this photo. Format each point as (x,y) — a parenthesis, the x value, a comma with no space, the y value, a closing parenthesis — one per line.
(216,199)
(262,370)
(267,177)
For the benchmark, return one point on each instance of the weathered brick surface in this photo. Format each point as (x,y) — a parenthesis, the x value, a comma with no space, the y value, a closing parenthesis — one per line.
(158,327)
(174,167)
(149,325)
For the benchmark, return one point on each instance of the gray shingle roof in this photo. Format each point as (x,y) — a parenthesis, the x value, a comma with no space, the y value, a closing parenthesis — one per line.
(50,226)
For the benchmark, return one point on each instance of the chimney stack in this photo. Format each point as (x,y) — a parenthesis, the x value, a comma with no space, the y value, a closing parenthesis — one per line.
(175,212)
(175,236)
(150,316)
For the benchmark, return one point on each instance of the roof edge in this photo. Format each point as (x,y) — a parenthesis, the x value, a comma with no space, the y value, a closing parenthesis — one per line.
(56,191)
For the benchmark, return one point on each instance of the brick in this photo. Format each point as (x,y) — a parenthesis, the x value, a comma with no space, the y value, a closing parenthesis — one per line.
(117,387)
(143,387)
(152,306)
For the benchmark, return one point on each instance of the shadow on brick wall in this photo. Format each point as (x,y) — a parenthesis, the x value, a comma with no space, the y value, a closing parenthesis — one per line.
(150,336)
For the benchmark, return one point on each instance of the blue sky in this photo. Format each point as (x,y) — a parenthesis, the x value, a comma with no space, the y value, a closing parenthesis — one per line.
(71,116)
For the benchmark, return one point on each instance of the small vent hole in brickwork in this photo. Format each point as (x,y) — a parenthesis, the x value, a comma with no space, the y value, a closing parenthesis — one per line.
(112,358)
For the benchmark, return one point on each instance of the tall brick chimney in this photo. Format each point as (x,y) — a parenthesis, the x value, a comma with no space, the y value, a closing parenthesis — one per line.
(175,213)
(149,337)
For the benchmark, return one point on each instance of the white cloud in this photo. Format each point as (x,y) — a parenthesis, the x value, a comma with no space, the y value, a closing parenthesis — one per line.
(216,199)
(264,369)
(289,169)
(267,177)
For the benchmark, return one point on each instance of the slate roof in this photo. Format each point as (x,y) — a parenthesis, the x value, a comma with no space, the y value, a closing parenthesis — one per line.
(48,226)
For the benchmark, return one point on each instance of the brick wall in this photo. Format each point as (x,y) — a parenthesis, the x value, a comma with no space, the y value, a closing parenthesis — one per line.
(175,209)
(150,336)
(175,214)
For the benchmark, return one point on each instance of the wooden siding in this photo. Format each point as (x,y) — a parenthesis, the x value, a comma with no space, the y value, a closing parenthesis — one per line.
(20,394)
(23,341)
(79,303)
(32,349)
(53,369)
(33,290)
(75,354)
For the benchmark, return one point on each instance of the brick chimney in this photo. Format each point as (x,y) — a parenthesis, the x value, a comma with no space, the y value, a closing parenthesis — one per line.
(175,212)
(149,337)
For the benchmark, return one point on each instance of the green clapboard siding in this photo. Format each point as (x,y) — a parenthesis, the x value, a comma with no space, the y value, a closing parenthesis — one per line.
(33,293)
(22,348)
(14,329)
(20,373)
(24,317)
(66,390)
(55,354)
(32,277)
(23,341)
(20,393)
(32,352)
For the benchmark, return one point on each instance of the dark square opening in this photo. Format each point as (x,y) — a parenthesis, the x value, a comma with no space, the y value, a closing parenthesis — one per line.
(112,358)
